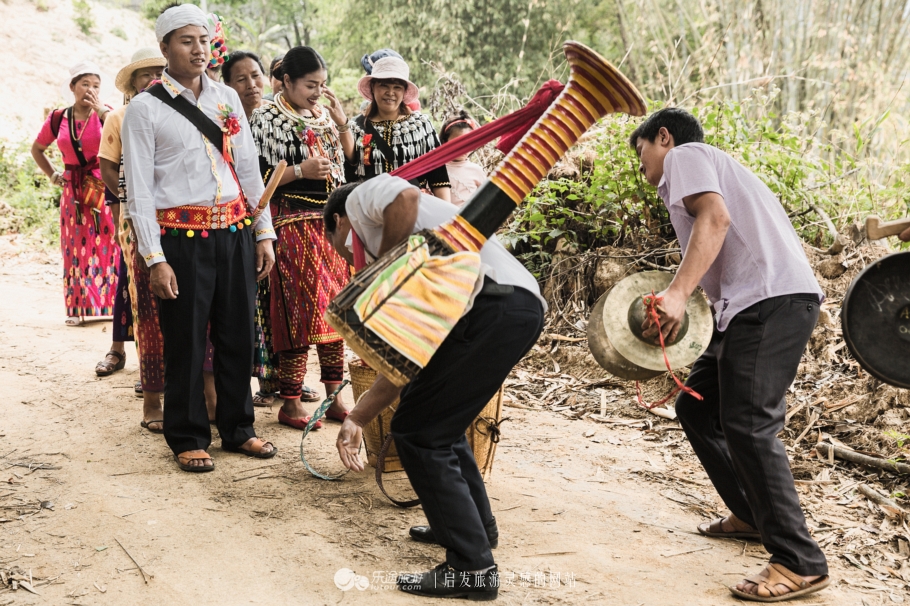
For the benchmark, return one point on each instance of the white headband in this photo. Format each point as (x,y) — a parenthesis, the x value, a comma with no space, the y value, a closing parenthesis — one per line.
(180,16)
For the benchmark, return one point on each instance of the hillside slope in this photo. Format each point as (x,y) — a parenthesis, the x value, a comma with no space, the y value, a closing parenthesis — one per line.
(42,41)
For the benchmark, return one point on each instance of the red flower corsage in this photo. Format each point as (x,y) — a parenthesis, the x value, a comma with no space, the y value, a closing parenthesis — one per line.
(230,121)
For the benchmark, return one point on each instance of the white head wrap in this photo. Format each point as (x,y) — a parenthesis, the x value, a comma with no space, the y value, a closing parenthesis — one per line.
(82,68)
(180,16)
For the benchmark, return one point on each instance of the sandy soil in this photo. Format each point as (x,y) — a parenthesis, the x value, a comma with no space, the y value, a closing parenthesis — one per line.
(43,41)
(609,508)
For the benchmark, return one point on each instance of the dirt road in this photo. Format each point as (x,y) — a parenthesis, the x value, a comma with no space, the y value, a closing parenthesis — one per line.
(602,518)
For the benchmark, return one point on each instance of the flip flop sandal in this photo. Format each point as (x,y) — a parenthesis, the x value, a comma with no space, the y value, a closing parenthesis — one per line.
(256,451)
(105,368)
(145,425)
(780,575)
(296,423)
(259,396)
(715,530)
(310,395)
(193,456)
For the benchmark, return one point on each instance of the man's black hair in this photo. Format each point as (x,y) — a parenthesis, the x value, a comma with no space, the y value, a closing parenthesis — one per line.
(684,127)
(335,206)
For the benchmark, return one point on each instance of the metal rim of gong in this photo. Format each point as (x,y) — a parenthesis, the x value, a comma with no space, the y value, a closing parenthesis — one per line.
(644,353)
(871,319)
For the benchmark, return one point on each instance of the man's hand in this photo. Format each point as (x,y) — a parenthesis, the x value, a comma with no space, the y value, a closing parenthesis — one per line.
(671,310)
(905,235)
(265,259)
(349,437)
(381,394)
(163,281)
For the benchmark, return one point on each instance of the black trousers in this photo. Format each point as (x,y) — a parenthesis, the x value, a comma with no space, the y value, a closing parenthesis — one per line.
(743,377)
(441,403)
(216,280)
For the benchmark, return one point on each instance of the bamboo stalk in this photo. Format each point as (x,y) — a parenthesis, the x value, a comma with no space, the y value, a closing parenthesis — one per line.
(861,459)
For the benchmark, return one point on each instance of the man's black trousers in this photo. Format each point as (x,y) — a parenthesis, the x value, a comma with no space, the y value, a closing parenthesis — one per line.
(743,377)
(216,279)
(441,403)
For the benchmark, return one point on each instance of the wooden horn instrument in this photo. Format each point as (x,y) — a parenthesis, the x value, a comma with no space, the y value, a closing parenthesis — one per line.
(595,89)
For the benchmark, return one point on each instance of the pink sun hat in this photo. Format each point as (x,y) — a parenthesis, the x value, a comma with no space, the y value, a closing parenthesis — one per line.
(389,68)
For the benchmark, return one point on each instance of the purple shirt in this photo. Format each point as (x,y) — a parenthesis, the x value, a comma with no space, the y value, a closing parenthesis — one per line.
(762,256)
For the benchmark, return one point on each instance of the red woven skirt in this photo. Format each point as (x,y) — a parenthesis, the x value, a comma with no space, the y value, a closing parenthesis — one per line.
(308,273)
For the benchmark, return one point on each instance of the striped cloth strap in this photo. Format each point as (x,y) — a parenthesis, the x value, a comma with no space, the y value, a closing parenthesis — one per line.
(416,301)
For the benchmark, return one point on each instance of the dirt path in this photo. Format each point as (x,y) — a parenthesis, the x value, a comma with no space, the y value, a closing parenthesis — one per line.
(604,512)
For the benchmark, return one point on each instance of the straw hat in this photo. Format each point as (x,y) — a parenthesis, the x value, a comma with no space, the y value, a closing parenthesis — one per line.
(388,68)
(142,58)
(86,67)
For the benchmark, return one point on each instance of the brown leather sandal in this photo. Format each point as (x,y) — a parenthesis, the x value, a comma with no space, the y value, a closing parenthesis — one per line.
(741,530)
(780,575)
(183,459)
(105,368)
(255,450)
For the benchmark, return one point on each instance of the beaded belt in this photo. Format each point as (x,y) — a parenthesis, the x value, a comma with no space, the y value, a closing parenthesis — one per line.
(232,215)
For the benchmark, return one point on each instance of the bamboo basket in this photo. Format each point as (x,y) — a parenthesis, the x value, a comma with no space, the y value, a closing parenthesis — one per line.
(483,434)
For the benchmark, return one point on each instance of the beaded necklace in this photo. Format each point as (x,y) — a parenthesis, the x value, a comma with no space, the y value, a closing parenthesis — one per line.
(282,133)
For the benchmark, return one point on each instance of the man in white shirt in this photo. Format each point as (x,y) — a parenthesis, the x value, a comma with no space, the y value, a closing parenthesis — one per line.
(193,229)
(436,408)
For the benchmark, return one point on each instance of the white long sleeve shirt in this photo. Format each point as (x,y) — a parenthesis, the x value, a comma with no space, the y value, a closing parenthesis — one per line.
(168,162)
(365,207)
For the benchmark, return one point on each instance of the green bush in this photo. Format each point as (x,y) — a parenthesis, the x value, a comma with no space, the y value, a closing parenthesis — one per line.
(118,31)
(28,201)
(609,203)
(82,16)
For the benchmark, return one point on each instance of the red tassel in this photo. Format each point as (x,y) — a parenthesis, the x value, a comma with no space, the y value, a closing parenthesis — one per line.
(228,156)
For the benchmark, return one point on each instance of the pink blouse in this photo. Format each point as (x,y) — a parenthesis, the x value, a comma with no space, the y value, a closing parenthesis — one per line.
(91,139)
(465,178)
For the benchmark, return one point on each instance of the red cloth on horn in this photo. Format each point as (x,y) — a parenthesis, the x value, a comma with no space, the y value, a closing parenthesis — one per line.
(511,127)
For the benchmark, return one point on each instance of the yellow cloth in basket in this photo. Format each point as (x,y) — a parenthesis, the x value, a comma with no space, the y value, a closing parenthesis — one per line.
(416,301)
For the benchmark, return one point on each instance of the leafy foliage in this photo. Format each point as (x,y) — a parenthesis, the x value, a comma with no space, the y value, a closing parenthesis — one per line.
(28,201)
(607,202)
(82,16)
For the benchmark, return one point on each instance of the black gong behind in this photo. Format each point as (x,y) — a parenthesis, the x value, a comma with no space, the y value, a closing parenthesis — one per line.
(876,319)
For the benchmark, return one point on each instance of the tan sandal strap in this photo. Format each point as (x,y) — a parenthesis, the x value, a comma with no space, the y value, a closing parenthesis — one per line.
(767,586)
(258,445)
(794,578)
(185,457)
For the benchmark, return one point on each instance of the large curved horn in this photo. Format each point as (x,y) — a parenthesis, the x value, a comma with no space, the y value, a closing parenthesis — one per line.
(595,89)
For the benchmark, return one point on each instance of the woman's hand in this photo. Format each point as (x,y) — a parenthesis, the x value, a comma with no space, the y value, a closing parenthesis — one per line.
(336,111)
(91,97)
(348,443)
(315,168)
(58,179)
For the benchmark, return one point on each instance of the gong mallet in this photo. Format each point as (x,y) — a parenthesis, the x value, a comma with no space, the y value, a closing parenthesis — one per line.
(876,229)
